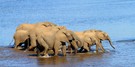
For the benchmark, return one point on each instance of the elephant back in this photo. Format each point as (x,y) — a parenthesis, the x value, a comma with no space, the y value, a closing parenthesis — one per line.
(46,24)
(25,26)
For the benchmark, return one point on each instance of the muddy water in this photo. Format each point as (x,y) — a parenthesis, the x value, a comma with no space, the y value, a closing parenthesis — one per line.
(122,56)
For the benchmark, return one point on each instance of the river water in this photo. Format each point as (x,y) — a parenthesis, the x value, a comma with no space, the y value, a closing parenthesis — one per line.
(116,17)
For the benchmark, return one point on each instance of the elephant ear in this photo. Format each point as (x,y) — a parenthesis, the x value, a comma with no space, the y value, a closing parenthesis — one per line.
(68,34)
(61,27)
(76,38)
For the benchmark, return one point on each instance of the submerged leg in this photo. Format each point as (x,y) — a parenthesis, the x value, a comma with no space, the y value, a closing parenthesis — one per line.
(46,47)
(75,46)
(70,49)
(86,47)
(56,47)
(64,50)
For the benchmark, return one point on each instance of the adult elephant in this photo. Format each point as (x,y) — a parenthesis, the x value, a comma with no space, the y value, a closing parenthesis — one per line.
(26,28)
(23,36)
(50,38)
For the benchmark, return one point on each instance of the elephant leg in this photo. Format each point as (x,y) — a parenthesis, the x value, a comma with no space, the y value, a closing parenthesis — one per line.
(45,52)
(44,44)
(97,46)
(101,47)
(37,51)
(86,47)
(33,44)
(64,50)
(56,51)
(75,46)
(56,47)
(70,49)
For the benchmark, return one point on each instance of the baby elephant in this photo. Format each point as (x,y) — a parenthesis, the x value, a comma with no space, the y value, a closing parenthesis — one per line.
(91,37)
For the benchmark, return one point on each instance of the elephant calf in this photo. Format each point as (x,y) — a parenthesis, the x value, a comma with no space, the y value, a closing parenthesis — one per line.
(87,40)
(91,37)
(100,35)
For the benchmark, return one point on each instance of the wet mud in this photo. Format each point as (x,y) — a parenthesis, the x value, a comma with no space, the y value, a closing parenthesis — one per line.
(122,56)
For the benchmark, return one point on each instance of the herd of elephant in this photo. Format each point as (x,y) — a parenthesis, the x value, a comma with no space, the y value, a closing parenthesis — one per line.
(44,36)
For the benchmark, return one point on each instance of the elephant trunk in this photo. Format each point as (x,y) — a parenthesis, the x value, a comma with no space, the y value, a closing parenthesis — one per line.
(111,43)
(16,44)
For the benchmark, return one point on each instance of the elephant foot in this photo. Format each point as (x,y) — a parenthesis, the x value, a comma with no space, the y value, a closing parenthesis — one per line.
(103,51)
(96,52)
(26,50)
(64,54)
(38,55)
(46,56)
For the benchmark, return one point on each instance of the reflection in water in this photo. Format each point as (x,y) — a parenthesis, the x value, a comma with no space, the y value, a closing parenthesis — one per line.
(111,58)
(110,16)
(52,60)
(69,60)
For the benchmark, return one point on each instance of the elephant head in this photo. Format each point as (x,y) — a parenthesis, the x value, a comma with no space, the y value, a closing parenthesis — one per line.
(75,41)
(20,36)
(103,36)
